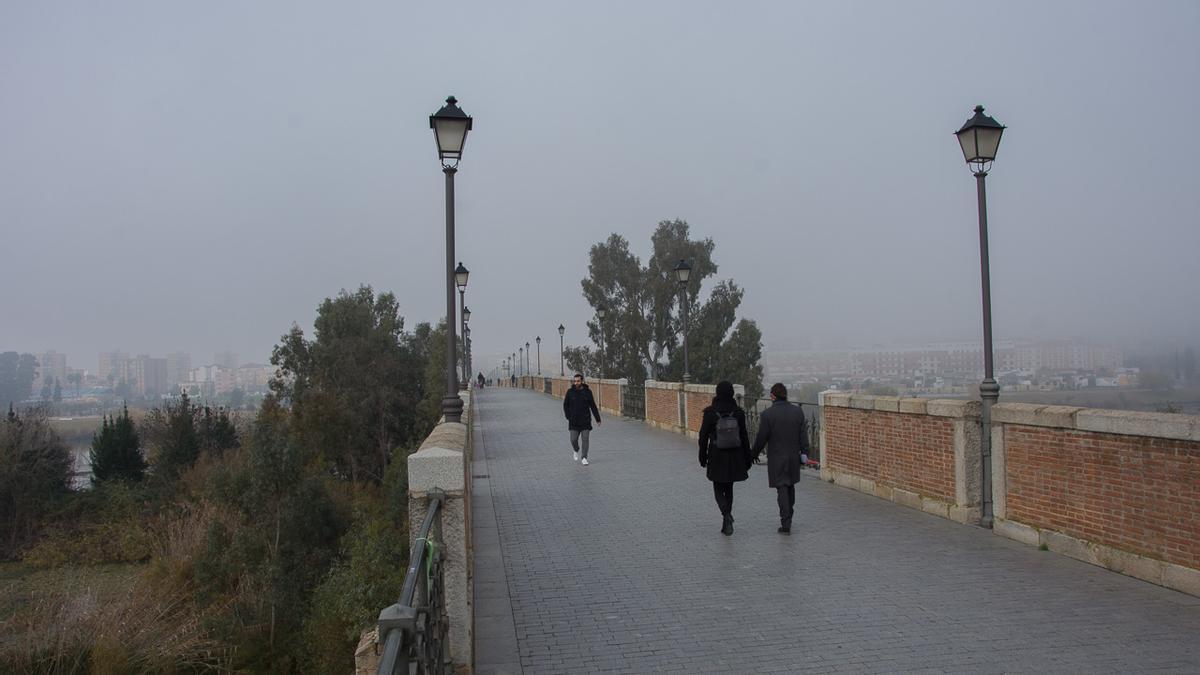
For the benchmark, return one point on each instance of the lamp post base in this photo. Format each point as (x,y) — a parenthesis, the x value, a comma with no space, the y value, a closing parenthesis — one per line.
(989,393)
(452,407)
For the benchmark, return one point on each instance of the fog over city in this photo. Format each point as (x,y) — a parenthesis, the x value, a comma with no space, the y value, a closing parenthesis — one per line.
(196,177)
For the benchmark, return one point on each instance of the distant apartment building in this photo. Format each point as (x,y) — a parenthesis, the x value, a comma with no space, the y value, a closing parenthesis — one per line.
(254,377)
(179,368)
(226,360)
(950,359)
(147,376)
(52,367)
(111,364)
(214,379)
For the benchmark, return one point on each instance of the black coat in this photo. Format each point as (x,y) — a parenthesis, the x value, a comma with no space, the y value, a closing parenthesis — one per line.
(578,407)
(784,433)
(724,466)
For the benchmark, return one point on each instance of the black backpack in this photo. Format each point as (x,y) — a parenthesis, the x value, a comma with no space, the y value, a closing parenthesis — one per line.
(726,436)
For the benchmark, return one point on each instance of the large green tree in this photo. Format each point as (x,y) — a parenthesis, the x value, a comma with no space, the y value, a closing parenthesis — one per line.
(640,335)
(355,388)
(35,470)
(116,452)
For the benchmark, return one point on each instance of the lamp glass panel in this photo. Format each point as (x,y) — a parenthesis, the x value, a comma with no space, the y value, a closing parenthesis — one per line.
(988,141)
(966,139)
(451,135)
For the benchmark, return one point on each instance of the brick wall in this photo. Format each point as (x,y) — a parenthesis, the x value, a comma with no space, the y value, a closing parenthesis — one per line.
(913,452)
(1114,488)
(920,453)
(608,395)
(662,404)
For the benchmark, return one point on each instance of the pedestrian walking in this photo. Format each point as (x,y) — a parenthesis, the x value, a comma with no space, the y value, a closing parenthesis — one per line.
(784,433)
(724,450)
(579,407)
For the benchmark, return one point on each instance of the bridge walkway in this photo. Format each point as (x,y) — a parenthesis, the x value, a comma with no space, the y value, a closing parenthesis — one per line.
(619,567)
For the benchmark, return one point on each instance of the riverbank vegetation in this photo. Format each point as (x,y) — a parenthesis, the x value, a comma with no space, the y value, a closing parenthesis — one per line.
(203,545)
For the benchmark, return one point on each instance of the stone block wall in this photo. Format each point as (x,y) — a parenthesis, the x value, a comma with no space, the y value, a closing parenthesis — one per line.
(1117,489)
(920,453)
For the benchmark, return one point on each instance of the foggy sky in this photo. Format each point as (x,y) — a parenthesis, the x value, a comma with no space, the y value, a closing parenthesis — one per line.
(196,176)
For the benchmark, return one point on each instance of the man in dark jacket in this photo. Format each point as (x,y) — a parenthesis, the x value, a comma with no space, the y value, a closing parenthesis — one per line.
(579,407)
(783,432)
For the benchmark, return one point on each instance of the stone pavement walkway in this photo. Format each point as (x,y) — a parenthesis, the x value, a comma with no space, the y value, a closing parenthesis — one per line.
(619,567)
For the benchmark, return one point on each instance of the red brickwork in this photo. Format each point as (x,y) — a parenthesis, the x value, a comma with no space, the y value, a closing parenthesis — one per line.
(662,406)
(696,402)
(609,396)
(900,450)
(1135,493)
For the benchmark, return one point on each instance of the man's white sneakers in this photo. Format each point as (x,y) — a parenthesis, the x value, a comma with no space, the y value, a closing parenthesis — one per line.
(576,455)
(584,462)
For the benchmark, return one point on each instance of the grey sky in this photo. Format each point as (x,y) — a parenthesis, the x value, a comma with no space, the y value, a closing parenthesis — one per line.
(197,176)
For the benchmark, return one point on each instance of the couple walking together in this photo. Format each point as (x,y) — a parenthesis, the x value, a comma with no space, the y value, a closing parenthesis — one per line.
(726,452)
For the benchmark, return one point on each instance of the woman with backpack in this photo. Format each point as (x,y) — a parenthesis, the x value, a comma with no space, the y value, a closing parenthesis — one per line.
(725,450)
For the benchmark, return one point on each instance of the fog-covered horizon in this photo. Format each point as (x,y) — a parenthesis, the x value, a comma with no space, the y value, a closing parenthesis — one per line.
(197,177)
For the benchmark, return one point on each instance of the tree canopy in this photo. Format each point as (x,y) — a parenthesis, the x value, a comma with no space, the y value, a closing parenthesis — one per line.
(117,450)
(641,333)
(356,388)
(17,374)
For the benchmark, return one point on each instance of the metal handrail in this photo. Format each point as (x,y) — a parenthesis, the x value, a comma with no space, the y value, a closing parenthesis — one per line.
(414,629)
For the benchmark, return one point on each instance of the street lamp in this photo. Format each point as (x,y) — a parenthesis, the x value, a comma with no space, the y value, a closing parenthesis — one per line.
(539,344)
(979,139)
(450,126)
(683,274)
(467,350)
(460,280)
(562,371)
(601,311)
(527,370)
(520,362)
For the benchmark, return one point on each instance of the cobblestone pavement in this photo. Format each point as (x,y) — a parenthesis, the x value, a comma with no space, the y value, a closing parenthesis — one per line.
(619,567)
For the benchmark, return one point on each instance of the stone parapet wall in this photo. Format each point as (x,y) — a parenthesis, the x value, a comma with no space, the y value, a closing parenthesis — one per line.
(608,395)
(662,405)
(1119,489)
(697,397)
(442,463)
(920,453)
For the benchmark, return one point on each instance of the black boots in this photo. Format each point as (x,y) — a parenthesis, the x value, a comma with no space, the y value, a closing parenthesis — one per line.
(727,525)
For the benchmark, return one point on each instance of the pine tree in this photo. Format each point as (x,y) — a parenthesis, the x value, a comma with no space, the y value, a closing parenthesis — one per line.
(117,451)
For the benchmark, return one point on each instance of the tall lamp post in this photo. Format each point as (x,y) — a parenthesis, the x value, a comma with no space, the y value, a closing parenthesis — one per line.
(979,139)
(521,362)
(683,274)
(527,352)
(562,371)
(601,312)
(539,344)
(467,349)
(460,279)
(450,126)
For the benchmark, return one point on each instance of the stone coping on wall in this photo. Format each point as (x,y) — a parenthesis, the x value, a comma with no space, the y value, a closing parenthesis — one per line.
(1124,422)
(655,384)
(938,407)
(1177,577)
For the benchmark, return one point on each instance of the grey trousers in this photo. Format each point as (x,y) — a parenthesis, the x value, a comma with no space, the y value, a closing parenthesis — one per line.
(576,435)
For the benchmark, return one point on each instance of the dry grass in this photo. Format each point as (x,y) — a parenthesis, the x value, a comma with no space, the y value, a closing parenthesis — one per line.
(117,618)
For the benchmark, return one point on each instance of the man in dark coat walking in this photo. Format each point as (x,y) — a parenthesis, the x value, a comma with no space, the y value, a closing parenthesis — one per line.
(579,406)
(729,464)
(784,433)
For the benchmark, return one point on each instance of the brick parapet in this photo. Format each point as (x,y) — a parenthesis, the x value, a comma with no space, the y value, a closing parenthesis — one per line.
(1118,489)
(921,453)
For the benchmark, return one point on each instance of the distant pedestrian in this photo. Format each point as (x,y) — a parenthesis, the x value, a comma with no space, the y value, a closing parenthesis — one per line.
(724,450)
(579,407)
(784,433)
